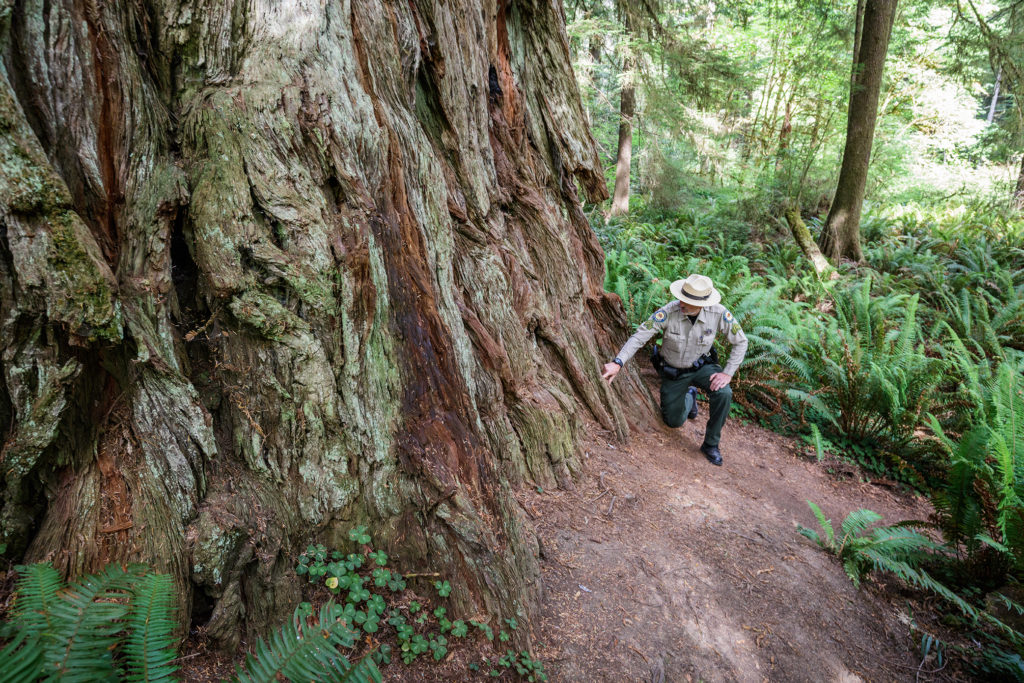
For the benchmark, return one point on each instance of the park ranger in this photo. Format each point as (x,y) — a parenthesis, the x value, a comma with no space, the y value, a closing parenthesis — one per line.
(686,360)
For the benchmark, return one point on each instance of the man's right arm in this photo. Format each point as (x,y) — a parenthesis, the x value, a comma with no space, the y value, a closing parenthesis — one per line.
(648,329)
(643,335)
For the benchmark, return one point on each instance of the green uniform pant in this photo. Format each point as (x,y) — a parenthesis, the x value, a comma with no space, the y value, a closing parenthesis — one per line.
(676,401)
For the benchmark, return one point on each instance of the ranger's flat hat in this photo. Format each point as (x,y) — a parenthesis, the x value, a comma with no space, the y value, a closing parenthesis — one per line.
(696,290)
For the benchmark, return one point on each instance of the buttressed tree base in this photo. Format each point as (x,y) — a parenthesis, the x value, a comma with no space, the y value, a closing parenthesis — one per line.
(269,270)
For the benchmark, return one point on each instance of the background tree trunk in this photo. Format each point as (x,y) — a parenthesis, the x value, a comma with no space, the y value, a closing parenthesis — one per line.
(791,211)
(1018,192)
(271,270)
(624,156)
(840,236)
(995,97)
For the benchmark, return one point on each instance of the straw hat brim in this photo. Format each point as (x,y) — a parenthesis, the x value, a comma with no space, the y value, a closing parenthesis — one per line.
(677,291)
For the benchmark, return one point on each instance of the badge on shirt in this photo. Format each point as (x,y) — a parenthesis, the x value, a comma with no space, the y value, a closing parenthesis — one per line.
(735,329)
(728,317)
(659,316)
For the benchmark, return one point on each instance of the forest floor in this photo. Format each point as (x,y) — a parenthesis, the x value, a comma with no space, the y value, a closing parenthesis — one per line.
(661,568)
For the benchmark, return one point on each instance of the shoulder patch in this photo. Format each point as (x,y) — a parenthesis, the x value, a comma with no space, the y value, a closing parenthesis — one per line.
(736,328)
(728,317)
(659,315)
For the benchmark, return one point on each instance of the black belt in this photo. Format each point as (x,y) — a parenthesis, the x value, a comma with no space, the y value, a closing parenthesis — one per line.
(666,371)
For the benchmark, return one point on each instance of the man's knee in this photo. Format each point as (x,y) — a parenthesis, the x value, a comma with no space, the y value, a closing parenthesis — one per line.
(723,394)
(673,421)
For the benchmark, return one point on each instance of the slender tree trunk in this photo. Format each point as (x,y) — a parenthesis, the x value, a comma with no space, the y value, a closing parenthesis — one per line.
(1018,194)
(623,159)
(803,238)
(271,270)
(995,97)
(840,236)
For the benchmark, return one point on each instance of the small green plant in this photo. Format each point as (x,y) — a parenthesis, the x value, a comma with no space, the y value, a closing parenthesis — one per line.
(439,647)
(484,628)
(118,624)
(894,550)
(359,535)
(860,550)
(523,663)
(424,628)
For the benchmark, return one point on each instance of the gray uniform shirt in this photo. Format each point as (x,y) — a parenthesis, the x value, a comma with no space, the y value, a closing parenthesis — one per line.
(685,342)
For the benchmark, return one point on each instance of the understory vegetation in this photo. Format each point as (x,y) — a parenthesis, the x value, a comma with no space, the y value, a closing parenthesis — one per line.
(119,624)
(908,365)
(904,357)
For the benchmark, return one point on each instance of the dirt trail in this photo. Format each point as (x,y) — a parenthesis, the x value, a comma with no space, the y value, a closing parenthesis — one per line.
(664,568)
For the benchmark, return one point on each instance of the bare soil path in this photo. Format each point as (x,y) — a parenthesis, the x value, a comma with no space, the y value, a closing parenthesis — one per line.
(661,567)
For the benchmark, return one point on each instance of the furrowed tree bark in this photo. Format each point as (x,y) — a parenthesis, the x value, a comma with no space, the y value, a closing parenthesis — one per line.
(624,155)
(272,270)
(840,236)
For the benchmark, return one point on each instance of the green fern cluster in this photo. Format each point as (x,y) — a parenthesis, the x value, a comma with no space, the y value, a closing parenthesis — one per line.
(309,649)
(900,550)
(866,377)
(981,503)
(116,624)
(862,549)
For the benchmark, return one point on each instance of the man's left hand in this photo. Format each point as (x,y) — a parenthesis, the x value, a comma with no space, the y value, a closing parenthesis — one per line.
(719,380)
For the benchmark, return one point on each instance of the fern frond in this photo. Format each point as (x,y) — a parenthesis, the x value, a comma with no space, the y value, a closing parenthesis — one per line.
(826,524)
(301,652)
(859,520)
(150,647)
(36,594)
(21,661)
(87,622)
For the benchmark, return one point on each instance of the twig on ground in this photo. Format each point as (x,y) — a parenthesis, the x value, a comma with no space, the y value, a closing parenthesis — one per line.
(184,657)
(638,652)
(612,505)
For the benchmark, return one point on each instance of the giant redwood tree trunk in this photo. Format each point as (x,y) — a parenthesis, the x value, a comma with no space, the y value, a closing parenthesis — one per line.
(270,269)
(840,236)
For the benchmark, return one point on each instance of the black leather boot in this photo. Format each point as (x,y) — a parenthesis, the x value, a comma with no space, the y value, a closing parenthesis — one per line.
(712,453)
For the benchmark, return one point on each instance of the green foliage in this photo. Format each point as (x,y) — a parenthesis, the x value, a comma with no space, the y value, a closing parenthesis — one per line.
(118,624)
(869,379)
(307,649)
(523,663)
(979,505)
(150,645)
(901,551)
(115,624)
(419,628)
(861,549)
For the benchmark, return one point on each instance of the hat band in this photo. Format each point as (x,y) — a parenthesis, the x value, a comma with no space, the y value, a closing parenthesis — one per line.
(698,298)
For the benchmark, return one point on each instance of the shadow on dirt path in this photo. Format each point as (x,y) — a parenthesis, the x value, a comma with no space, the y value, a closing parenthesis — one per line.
(660,567)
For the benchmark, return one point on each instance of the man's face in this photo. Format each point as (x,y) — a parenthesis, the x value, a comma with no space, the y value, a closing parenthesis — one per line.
(688,309)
